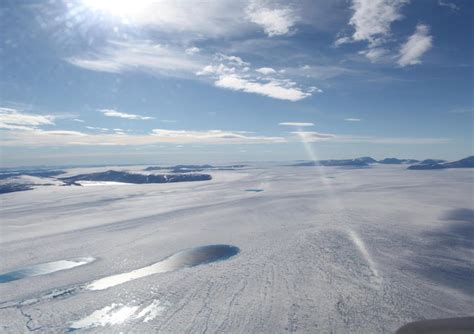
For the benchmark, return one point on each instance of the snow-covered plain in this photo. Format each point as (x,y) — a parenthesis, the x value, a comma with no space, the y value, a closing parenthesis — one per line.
(321,250)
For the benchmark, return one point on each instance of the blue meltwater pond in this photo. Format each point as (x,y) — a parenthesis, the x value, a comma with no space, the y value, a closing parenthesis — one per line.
(44,268)
(184,259)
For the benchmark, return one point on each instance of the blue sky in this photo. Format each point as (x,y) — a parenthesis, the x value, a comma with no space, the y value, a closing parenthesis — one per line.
(103,81)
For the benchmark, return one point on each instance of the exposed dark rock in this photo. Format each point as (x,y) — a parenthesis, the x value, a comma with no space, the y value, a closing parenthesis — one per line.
(118,176)
(463,163)
(395,161)
(358,162)
(13,187)
(39,173)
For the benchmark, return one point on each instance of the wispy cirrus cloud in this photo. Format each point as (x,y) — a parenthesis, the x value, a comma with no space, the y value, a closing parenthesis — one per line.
(43,138)
(25,130)
(352,119)
(119,114)
(140,55)
(450,5)
(393,140)
(416,46)
(298,124)
(39,137)
(97,128)
(230,72)
(212,135)
(312,136)
(14,119)
(320,72)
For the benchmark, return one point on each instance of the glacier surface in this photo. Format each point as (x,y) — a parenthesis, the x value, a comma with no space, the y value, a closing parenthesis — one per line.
(322,249)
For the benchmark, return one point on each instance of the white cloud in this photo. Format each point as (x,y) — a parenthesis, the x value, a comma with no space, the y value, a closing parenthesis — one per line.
(449,5)
(141,55)
(13,119)
(352,119)
(225,71)
(38,137)
(192,50)
(375,54)
(229,71)
(314,89)
(234,60)
(96,128)
(6,126)
(416,45)
(221,69)
(29,135)
(211,135)
(278,89)
(59,133)
(296,124)
(312,136)
(233,73)
(342,40)
(115,113)
(372,18)
(274,21)
(392,140)
(78,120)
(265,70)
(320,72)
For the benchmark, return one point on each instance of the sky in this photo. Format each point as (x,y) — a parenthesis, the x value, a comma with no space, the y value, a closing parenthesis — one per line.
(174,81)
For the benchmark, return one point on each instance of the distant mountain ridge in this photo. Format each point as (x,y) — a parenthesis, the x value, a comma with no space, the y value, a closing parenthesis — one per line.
(40,173)
(395,161)
(125,177)
(192,168)
(358,162)
(14,187)
(432,164)
(22,180)
(414,164)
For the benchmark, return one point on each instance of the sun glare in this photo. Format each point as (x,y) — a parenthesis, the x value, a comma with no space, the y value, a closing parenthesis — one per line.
(118,7)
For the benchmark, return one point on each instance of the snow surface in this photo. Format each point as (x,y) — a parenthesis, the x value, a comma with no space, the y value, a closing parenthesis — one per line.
(322,249)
